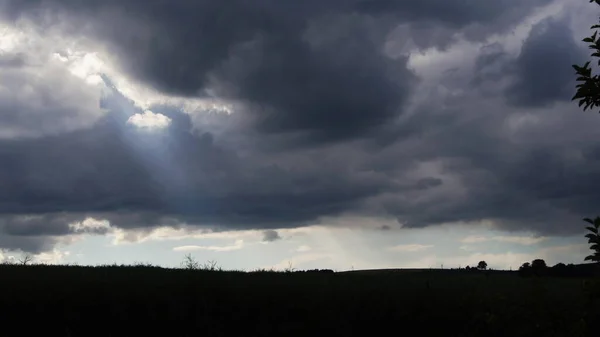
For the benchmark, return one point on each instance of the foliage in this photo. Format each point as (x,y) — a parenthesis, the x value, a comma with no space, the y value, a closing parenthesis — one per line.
(593,238)
(538,264)
(588,90)
(482,265)
(561,270)
(189,262)
(588,94)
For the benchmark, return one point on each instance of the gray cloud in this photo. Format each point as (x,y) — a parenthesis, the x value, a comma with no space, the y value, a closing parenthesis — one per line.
(270,236)
(40,97)
(39,233)
(551,45)
(311,67)
(304,75)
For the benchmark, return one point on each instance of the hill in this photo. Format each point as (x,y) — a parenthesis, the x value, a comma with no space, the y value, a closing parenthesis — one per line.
(111,301)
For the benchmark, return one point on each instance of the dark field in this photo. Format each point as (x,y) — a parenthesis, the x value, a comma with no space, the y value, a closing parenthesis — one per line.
(136,301)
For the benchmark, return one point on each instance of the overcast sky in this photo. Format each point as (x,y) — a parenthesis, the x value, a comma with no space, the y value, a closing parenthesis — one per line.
(330,134)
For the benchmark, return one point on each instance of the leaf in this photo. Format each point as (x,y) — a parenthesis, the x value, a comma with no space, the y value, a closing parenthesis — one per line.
(588,220)
(592,229)
(589,258)
(595,247)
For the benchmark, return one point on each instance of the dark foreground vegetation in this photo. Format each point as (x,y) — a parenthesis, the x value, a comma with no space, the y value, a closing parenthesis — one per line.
(136,301)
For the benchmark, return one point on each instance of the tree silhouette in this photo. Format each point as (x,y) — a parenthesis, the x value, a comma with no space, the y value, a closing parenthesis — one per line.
(538,264)
(525,269)
(588,90)
(26,259)
(593,239)
(588,94)
(482,264)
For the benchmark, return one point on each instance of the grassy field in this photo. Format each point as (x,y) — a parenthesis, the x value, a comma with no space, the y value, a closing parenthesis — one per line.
(132,301)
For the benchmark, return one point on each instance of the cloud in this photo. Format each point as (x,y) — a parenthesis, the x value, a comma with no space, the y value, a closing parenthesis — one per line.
(303,249)
(522,240)
(54,257)
(409,248)
(39,97)
(271,236)
(239,244)
(315,68)
(534,86)
(149,120)
(281,118)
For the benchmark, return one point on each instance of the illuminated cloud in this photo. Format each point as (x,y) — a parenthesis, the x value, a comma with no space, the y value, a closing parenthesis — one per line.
(239,244)
(149,120)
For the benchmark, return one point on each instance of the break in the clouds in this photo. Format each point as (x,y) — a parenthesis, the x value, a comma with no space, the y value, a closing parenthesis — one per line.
(39,96)
(280,114)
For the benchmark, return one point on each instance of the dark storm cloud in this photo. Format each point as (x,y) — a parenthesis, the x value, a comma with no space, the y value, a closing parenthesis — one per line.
(538,176)
(550,45)
(491,65)
(30,244)
(38,233)
(138,179)
(335,84)
(458,13)
(271,236)
(302,66)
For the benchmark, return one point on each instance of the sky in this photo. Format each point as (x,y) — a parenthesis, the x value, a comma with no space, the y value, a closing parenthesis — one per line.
(340,134)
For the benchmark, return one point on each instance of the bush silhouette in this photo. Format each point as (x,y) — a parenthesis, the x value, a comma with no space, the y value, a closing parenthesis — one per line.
(525,270)
(593,239)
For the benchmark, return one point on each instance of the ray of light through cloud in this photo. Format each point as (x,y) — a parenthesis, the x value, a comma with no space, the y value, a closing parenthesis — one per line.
(349,137)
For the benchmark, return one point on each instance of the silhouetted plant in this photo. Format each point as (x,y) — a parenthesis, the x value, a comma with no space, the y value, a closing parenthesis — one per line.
(525,269)
(539,267)
(593,239)
(588,94)
(189,262)
(482,265)
(211,265)
(319,271)
(538,264)
(290,268)
(588,91)
(26,259)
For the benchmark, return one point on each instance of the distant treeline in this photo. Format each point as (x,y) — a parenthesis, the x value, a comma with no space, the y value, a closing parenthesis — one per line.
(327,271)
(538,268)
(560,270)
